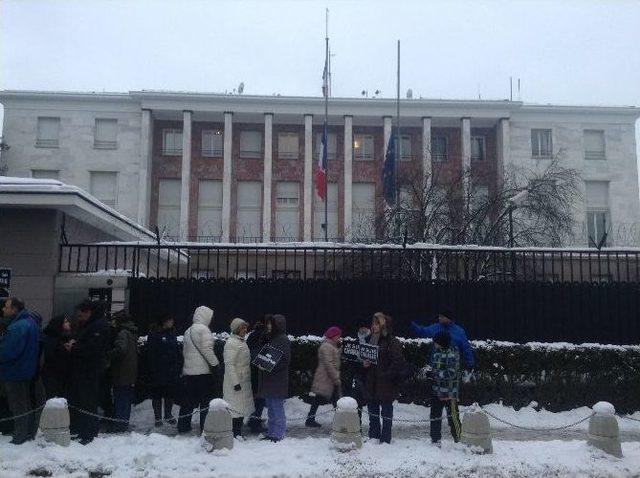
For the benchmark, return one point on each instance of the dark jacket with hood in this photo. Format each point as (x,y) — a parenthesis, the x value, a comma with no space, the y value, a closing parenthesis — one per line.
(384,378)
(164,357)
(88,355)
(275,384)
(123,356)
(57,360)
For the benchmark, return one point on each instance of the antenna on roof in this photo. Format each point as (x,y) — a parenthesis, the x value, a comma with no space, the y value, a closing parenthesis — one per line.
(241,88)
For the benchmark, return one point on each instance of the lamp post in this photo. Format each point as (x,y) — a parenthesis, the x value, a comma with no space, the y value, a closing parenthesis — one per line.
(514,202)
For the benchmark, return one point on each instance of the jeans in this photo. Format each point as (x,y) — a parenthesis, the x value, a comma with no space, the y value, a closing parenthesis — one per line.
(276,425)
(452,415)
(19,399)
(122,398)
(385,409)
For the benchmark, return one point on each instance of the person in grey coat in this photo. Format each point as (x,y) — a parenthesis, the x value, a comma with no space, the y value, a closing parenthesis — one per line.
(274,385)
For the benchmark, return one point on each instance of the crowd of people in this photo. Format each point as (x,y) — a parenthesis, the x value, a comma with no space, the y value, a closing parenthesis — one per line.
(93,363)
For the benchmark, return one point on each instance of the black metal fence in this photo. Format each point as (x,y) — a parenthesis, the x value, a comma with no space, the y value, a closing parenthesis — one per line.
(513,311)
(350,262)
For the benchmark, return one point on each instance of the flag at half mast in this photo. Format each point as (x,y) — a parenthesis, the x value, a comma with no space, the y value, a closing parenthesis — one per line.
(321,170)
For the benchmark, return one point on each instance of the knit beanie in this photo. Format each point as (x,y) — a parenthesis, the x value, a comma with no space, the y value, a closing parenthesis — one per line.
(332,332)
(236,324)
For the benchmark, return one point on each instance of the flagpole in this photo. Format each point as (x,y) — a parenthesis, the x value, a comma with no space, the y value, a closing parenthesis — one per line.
(398,142)
(326,126)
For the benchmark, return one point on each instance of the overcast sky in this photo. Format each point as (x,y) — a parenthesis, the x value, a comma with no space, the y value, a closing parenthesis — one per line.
(568,52)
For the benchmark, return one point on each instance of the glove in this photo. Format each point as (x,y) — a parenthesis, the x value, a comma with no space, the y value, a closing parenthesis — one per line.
(237,388)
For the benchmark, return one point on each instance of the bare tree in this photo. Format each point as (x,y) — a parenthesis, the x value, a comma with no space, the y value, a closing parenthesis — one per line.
(470,208)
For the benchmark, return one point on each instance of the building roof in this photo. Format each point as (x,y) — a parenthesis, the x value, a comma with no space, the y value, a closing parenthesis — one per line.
(52,194)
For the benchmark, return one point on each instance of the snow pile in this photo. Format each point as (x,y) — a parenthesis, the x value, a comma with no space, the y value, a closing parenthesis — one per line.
(347,403)
(604,408)
(56,403)
(218,404)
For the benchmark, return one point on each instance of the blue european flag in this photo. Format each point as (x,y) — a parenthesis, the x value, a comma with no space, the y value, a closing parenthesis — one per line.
(389,171)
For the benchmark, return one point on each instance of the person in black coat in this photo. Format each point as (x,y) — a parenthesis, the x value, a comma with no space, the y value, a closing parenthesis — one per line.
(89,360)
(57,359)
(163,357)
(255,340)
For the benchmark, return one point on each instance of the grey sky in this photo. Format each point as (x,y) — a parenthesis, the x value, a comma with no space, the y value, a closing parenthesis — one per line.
(565,52)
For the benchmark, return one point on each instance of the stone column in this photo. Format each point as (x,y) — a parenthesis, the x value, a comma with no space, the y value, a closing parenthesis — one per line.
(348,176)
(145,168)
(504,147)
(268,169)
(186,175)
(465,134)
(227,174)
(386,133)
(308,177)
(426,153)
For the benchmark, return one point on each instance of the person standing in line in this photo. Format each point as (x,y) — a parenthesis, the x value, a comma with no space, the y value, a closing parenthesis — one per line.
(163,364)
(255,340)
(457,334)
(123,357)
(446,373)
(200,365)
(326,379)
(19,353)
(383,377)
(88,363)
(274,385)
(57,359)
(237,375)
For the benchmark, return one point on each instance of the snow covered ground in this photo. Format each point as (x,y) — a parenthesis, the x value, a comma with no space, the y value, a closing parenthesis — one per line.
(149,452)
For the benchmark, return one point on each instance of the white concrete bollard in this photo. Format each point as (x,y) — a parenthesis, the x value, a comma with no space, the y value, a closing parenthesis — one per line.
(603,429)
(345,429)
(476,431)
(54,422)
(218,430)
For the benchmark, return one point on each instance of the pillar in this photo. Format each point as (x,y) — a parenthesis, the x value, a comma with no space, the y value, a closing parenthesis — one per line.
(504,147)
(426,153)
(186,175)
(227,174)
(348,176)
(308,177)
(267,184)
(465,130)
(145,168)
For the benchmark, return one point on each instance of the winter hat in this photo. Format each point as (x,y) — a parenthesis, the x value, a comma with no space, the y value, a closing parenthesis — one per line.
(236,324)
(332,332)
(446,312)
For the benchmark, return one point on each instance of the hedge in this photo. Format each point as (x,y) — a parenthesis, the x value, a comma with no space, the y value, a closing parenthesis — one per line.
(557,376)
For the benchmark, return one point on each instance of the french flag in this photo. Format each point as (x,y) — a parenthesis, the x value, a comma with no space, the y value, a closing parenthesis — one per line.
(321,170)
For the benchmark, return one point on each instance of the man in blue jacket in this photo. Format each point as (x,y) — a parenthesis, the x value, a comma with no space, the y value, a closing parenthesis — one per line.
(18,364)
(457,334)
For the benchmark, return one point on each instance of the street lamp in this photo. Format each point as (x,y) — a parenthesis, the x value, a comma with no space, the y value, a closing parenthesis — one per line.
(514,203)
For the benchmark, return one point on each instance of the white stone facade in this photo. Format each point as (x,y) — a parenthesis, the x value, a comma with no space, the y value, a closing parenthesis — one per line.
(135,157)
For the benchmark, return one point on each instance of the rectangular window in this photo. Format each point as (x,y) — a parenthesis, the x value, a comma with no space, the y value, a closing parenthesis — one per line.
(288,146)
(541,146)
(598,214)
(250,144)
(209,210)
(249,215)
(363,220)
(478,149)
(439,148)
(172,142)
(332,145)
(48,134)
(332,214)
(594,147)
(287,211)
(104,187)
(363,147)
(169,191)
(405,149)
(212,141)
(106,134)
(45,174)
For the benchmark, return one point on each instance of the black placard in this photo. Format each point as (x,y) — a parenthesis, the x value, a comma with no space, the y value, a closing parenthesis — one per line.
(5,278)
(358,352)
(267,358)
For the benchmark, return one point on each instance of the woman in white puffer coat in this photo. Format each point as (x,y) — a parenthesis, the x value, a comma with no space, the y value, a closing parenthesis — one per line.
(237,375)
(200,363)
